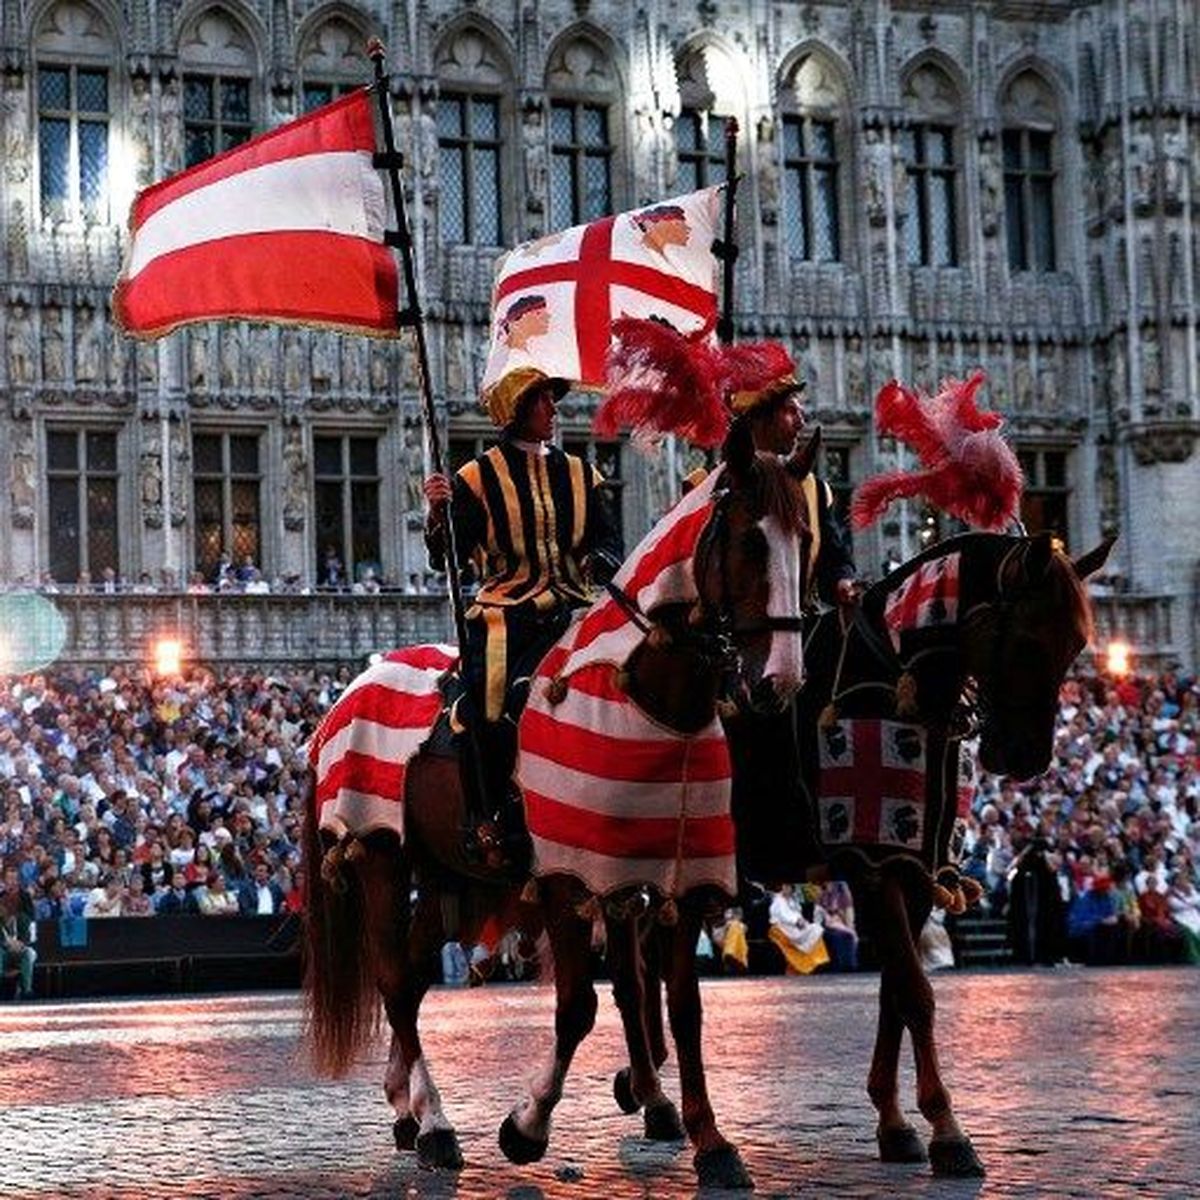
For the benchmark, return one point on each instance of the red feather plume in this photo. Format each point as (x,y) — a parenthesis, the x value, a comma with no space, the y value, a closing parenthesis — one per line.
(659,381)
(970,470)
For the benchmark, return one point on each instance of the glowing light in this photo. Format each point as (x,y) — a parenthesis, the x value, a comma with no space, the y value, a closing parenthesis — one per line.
(168,656)
(1118,657)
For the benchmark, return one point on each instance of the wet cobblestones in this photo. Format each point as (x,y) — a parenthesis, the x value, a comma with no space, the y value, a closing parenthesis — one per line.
(1071,1084)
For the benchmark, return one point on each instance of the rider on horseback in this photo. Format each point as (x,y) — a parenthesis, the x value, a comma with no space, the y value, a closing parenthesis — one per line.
(535,524)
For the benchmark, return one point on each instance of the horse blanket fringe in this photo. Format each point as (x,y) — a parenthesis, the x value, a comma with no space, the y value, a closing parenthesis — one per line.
(611,796)
(362,748)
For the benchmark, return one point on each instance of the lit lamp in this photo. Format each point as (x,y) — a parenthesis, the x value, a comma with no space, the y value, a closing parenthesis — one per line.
(168,656)
(1117,656)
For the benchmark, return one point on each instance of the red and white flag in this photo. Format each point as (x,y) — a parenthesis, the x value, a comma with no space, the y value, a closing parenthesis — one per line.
(289,227)
(929,596)
(555,299)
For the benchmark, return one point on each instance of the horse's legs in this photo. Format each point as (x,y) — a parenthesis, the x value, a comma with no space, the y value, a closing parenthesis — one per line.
(525,1133)
(717,1161)
(638,995)
(898,1140)
(399,952)
(950,1150)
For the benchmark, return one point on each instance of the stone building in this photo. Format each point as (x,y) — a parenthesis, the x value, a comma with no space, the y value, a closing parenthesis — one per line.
(927,188)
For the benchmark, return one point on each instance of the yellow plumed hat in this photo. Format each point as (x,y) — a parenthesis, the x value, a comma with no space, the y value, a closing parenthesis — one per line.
(500,401)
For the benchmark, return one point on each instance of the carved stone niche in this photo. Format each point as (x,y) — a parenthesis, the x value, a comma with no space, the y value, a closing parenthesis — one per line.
(1164,442)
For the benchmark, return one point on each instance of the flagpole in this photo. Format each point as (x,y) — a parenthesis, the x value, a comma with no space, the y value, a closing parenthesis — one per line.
(412,316)
(726,249)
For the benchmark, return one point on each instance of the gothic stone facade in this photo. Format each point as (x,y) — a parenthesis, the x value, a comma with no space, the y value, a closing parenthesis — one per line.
(928,188)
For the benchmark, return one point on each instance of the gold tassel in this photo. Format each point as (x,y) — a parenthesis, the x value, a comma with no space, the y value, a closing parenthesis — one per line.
(906,696)
(829,716)
(972,890)
(659,638)
(556,690)
(589,910)
(355,850)
(530,893)
(331,862)
(726,709)
(668,913)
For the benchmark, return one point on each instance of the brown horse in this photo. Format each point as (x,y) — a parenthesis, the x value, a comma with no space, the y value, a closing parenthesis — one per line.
(376,910)
(975,635)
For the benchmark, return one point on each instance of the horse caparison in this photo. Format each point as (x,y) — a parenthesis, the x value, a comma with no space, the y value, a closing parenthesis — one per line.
(367,941)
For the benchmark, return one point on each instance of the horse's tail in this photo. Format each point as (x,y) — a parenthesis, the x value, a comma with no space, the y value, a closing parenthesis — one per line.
(340,993)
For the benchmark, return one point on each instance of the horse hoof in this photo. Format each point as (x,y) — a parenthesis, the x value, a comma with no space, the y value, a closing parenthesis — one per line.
(623,1091)
(439,1148)
(900,1144)
(518,1148)
(405,1132)
(662,1123)
(955,1157)
(722,1167)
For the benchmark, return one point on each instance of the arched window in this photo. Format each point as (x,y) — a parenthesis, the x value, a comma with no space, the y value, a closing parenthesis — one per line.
(219,62)
(1030,117)
(707,99)
(812,101)
(333,62)
(472,117)
(73,46)
(584,103)
(930,147)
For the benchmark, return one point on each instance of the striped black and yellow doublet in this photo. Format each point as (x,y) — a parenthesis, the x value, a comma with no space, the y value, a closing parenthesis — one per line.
(528,515)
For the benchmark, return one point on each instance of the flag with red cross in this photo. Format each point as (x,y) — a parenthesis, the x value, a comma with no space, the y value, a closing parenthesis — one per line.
(872,789)
(555,299)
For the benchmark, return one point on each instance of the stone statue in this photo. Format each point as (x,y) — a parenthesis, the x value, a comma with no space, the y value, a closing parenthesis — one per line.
(16,126)
(991,188)
(1151,364)
(150,483)
(118,356)
(197,340)
(1023,383)
(533,144)
(1118,381)
(140,132)
(22,347)
(181,472)
(23,484)
(293,363)
(354,372)
(1048,395)
(899,183)
(171,125)
(1174,166)
(295,478)
(88,332)
(768,172)
(323,367)
(262,358)
(875,159)
(54,357)
(378,366)
(414,469)
(1141,166)
(855,372)
(147,364)
(230,373)
(455,359)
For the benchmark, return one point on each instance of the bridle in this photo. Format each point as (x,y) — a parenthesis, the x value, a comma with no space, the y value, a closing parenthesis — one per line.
(712,633)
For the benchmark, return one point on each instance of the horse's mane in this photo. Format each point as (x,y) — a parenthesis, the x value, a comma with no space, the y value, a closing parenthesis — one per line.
(776,492)
(1067,592)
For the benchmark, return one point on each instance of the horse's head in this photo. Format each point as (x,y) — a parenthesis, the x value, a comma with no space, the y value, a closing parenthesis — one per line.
(1019,646)
(749,570)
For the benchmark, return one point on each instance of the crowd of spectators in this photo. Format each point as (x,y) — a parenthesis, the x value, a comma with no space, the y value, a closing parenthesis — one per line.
(126,794)
(1096,860)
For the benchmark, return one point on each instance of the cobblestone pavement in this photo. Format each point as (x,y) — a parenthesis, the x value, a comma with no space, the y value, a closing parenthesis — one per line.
(1071,1083)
